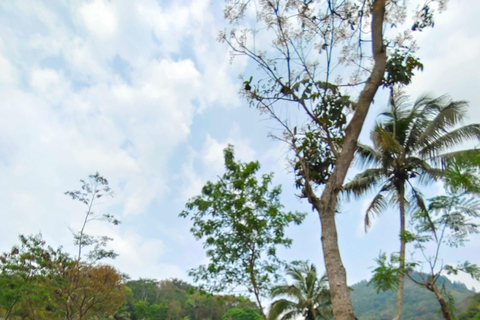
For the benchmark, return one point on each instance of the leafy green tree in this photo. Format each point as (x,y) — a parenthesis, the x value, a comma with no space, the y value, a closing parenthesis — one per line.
(242,314)
(174,310)
(144,311)
(92,190)
(30,278)
(310,294)
(407,144)
(241,222)
(146,290)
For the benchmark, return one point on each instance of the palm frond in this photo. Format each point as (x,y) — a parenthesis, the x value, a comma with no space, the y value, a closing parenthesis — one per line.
(291,315)
(414,124)
(448,116)
(281,306)
(363,182)
(377,206)
(419,201)
(468,155)
(450,140)
(385,140)
(287,290)
(367,156)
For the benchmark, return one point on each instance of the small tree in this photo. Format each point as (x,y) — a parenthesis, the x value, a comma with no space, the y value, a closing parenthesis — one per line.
(241,222)
(92,190)
(310,295)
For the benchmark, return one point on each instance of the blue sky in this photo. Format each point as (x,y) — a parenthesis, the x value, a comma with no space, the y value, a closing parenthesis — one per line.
(142,92)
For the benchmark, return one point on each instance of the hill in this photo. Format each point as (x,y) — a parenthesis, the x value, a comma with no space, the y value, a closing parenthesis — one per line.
(419,303)
(176,299)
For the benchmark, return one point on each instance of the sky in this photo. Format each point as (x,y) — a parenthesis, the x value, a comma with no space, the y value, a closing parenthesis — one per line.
(142,92)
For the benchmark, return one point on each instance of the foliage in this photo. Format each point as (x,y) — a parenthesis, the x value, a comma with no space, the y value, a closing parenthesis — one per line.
(92,190)
(473,309)
(242,314)
(463,172)
(310,294)
(30,276)
(385,275)
(241,222)
(151,299)
(38,282)
(91,291)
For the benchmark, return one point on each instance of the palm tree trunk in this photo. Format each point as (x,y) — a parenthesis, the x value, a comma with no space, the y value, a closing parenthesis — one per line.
(443,303)
(401,277)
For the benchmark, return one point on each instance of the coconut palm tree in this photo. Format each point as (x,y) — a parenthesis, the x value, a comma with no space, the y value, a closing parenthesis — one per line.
(409,143)
(308,297)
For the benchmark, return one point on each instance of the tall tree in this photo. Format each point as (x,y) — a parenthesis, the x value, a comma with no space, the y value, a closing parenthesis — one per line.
(310,293)
(409,143)
(300,60)
(92,190)
(241,222)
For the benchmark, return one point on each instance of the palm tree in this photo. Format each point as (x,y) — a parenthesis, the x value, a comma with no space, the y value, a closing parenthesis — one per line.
(409,143)
(310,295)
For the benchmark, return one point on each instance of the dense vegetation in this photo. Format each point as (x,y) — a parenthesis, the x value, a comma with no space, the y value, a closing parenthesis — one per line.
(175,299)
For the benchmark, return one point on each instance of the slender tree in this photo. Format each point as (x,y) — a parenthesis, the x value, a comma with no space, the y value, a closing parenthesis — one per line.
(310,295)
(92,190)
(409,143)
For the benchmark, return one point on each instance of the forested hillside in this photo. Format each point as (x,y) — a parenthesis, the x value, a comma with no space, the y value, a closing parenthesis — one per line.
(176,299)
(418,303)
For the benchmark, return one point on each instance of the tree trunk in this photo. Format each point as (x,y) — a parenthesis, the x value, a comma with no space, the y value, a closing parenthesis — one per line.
(256,291)
(326,206)
(443,303)
(401,277)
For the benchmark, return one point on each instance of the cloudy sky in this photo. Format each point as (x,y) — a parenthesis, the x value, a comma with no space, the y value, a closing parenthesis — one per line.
(142,92)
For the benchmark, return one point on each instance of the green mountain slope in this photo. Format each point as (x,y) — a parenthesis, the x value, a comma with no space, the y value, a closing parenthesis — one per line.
(419,303)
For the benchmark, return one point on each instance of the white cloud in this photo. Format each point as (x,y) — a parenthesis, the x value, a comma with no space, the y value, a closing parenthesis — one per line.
(78,115)
(213,149)
(140,257)
(8,75)
(50,84)
(100,18)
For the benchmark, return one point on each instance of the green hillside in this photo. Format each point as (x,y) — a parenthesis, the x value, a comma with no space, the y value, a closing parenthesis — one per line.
(419,303)
(151,299)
